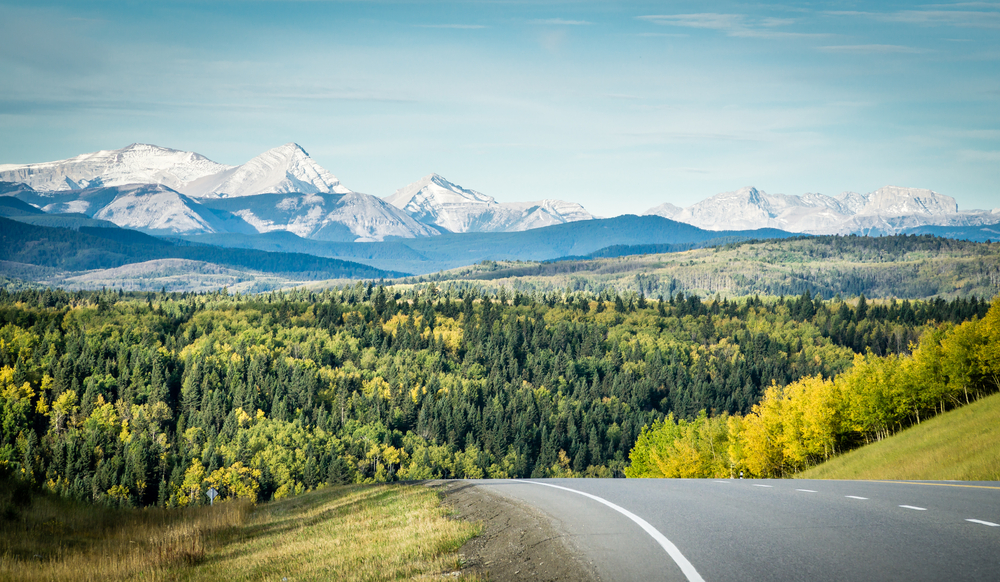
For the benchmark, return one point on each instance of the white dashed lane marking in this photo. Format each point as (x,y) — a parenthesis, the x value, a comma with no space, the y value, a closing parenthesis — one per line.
(913,507)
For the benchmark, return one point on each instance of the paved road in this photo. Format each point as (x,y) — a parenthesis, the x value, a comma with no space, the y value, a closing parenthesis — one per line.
(772,529)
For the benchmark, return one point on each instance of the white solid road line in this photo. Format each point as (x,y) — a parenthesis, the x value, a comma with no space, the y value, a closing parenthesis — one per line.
(855,497)
(989,523)
(686,567)
(913,508)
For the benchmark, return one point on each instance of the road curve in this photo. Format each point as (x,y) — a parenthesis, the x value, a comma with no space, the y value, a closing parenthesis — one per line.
(781,530)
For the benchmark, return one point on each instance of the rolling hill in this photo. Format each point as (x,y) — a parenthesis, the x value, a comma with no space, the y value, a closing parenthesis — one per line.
(97,248)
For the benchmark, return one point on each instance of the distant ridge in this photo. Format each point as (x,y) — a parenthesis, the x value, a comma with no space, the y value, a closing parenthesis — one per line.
(71,250)
(888,210)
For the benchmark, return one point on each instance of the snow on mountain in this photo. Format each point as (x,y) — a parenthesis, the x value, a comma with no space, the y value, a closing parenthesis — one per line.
(155,207)
(666,210)
(852,201)
(284,169)
(328,217)
(545,213)
(134,164)
(372,219)
(895,201)
(434,200)
(887,210)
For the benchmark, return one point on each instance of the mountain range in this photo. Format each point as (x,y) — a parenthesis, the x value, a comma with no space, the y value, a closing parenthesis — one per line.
(282,201)
(166,191)
(888,210)
(162,191)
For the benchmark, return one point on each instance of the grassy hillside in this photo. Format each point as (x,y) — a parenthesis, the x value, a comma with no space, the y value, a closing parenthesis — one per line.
(358,532)
(897,266)
(962,444)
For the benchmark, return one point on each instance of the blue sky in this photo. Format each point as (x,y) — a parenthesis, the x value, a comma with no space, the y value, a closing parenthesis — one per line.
(617,105)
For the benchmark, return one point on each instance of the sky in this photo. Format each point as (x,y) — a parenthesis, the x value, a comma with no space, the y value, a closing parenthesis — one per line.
(620,106)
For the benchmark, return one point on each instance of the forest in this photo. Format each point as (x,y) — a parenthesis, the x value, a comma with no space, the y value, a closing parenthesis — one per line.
(914,267)
(814,418)
(139,399)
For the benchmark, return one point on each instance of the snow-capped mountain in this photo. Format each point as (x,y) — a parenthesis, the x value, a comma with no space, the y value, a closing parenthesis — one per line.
(165,190)
(134,164)
(286,168)
(887,210)
(327,217)
(151,207)
(666,210)
(158,208)
(153,188)
(434,200)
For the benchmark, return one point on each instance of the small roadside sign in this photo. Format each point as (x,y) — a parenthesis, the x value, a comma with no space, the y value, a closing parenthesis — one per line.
(212,494)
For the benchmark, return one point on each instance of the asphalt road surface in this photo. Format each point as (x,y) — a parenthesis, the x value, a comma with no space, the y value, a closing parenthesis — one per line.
(720,530)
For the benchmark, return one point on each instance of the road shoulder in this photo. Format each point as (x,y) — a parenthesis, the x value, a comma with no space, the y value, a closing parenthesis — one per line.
(518,542)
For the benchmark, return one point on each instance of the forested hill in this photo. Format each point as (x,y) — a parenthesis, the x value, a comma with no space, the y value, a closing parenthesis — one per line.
(103,248)
(148,399)
(892,266)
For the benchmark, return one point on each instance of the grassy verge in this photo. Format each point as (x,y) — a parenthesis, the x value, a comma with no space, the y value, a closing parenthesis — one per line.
(962,444)
(385,532)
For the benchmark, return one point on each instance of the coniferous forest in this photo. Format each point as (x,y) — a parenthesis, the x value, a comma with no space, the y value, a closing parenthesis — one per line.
(145,399)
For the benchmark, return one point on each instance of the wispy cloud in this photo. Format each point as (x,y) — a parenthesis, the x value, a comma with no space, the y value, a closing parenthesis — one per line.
(995,5)
(735,25)
(971,19)
(868,49)
(454,26)
(960,18)
(664,34)
(686,136)
(709,20)
(981,156)
(560,22)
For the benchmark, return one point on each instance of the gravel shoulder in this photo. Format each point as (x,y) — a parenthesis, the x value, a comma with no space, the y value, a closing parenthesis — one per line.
(518,542)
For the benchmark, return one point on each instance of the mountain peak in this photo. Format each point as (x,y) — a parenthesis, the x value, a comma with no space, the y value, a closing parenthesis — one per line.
(898,201)
(434,200)
(280,170)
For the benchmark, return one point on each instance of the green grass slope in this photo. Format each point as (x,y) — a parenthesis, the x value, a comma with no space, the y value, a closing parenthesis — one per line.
(962,444)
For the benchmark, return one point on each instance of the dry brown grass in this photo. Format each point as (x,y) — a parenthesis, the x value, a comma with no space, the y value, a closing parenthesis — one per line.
(55,539)
(385,532)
